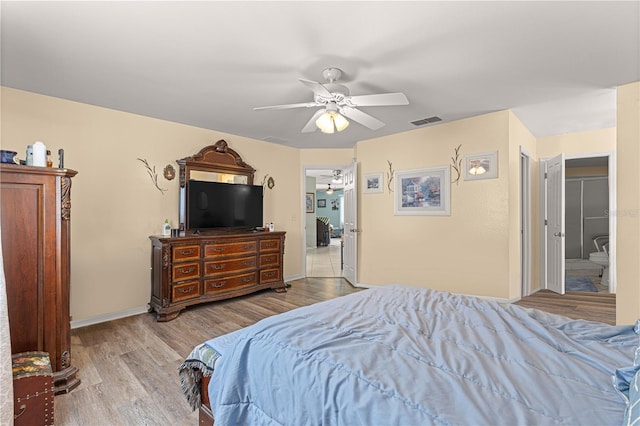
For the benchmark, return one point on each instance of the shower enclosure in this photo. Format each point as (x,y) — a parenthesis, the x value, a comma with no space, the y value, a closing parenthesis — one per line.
(586,214)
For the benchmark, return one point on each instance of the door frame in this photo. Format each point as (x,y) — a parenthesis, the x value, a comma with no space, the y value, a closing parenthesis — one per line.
(303,207)
(525,222)
(612,179)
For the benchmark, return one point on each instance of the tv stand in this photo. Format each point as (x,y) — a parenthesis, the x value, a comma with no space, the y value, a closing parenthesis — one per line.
(214,265)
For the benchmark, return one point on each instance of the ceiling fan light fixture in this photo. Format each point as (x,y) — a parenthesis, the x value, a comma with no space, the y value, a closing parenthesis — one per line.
(340,122)
(325,122)
(330,121)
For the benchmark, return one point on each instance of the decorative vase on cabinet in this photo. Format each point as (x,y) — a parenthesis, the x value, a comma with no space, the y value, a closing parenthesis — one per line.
(35,214)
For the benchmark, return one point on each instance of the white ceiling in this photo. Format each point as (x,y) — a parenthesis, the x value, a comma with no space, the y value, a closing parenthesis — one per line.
(207,64)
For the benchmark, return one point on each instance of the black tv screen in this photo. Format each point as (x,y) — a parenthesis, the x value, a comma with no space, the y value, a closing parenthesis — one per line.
(223,205)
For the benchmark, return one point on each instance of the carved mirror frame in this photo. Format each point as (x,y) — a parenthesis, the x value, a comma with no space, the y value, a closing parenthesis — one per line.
(216,163)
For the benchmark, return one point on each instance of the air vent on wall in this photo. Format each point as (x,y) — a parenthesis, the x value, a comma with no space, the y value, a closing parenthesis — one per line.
(424,121)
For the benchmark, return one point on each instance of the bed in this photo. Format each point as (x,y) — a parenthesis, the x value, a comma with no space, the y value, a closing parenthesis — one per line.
(411,356)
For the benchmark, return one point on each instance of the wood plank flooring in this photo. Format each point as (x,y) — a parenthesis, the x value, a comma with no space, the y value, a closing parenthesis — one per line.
(575,304)
(128,367)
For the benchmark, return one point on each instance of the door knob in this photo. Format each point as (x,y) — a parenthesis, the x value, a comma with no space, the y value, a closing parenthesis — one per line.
(558,234)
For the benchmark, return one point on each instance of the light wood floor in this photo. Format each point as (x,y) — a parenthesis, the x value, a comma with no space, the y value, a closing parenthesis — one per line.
(128,367)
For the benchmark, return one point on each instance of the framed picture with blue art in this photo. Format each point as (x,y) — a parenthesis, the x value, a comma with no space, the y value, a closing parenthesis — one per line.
(373,183)
(423,191)
(310,202)
(322,203)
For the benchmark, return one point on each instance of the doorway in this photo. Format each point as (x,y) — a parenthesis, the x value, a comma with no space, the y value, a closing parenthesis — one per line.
(586,196)
(587,224)
(324,221)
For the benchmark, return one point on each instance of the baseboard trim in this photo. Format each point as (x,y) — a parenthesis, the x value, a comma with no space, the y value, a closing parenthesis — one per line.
(109,317)
(129,312)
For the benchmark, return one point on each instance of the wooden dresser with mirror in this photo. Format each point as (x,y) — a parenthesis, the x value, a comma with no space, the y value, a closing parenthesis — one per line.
(205,265)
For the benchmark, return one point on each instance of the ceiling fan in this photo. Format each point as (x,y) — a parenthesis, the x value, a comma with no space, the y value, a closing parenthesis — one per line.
(335,176)
(336,103)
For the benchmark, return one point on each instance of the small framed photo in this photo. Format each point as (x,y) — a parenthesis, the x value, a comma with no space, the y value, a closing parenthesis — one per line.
(423,191)
(310,202)
(322,203)
(373,183)
(483,165)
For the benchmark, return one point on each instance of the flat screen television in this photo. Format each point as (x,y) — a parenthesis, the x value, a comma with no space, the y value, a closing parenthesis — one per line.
(223,205)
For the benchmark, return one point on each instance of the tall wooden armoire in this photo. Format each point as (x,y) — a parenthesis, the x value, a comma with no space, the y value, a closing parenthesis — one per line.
(35,209)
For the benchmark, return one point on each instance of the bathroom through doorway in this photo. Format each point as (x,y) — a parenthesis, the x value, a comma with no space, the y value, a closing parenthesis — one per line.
(587,224)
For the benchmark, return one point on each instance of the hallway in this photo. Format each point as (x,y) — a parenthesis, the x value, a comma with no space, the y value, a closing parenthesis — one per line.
(324,261)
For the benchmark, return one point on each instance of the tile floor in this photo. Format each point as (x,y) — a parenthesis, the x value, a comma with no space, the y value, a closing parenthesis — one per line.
(324,261)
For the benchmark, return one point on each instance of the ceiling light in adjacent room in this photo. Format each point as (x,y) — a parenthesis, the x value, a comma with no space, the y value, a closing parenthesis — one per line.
(329,190)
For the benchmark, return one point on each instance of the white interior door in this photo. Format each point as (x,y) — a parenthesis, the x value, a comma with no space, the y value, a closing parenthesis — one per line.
(350,253)
(555,223)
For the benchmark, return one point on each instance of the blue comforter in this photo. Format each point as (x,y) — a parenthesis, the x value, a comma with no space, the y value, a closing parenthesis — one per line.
(408,356)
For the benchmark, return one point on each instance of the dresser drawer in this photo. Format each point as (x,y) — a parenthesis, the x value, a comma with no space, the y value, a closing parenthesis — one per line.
(217,267)
(270,245)
(269,275)
(184,291)
(184,271)
(186,252)
(225,249)
(270,259)
(220,284)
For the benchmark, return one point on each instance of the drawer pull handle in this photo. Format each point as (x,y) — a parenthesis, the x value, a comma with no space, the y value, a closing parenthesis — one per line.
(270,274)
(247,279)
(271,244)
(186,290)
(218,284)
(219,249)
(269,259)
(219,267)
(187,252)
(248,263)
(23,407)
(246,247)
(187,271)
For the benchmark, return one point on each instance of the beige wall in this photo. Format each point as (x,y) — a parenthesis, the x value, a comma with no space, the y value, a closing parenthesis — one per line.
(628,204)
(593,142)
(466,252)
(521,140)
(115,206)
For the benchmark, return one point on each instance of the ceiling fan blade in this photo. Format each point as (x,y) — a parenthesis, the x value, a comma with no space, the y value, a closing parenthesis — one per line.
(381,99)
(288,106)
(317,88)
(362,118)
(311,124)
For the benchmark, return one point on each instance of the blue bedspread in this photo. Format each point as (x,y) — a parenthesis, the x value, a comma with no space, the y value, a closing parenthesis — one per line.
(409,356)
